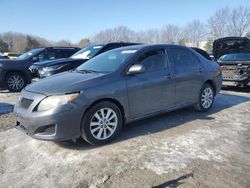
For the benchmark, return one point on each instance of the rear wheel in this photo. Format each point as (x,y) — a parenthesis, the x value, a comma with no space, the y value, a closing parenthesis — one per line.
(15,82)
(101,123)
(206,98)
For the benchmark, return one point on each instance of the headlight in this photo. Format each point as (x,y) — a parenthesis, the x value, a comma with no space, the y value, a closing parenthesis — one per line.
(52,68)
(55,101)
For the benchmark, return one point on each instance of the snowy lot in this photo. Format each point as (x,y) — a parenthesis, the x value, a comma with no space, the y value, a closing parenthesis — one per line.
(182,148)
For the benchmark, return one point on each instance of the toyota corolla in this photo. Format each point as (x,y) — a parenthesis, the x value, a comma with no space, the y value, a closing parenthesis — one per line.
(114,88)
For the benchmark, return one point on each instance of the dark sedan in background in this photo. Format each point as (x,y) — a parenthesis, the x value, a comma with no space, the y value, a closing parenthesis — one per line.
(116,87)
(51,67)
(15,73)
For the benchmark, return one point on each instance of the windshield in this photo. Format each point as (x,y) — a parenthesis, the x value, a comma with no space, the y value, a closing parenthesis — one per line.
(107,62)
(29,54)
(235,57)
(88,52)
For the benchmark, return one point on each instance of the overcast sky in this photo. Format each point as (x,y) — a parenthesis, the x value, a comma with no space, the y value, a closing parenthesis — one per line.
(76,19)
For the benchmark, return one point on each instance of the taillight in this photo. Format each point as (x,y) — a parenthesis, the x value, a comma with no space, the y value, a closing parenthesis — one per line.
(221,68)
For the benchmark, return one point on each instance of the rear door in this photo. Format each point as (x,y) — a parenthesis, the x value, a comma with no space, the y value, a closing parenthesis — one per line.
(188,74)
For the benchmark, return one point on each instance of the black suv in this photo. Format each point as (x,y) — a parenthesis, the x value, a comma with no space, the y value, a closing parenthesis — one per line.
(233,55)
(15,73)
(51,67)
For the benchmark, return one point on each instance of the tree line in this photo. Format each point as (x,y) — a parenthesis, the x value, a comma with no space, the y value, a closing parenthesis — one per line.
(224,22)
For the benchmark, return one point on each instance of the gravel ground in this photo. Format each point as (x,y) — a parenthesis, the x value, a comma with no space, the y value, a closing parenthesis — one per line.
(183,148)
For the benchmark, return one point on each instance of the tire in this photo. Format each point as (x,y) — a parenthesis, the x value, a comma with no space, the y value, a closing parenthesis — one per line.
(206,98)
(15,82)
(98,126)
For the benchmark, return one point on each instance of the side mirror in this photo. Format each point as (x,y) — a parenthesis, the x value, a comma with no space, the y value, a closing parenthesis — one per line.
(34,59)
(136,69)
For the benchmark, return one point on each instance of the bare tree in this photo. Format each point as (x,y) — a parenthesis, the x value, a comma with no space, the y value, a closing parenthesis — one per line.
(218,23)
(17,42)
(120,33)
(151,36)
(196,31)
(83,42)
(170,34)
(229,22)
(64,43)
(248,35)
(239,21)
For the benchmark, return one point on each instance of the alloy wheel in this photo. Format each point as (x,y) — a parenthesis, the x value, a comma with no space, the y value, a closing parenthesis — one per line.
(15,82)
(207,98)
(103,123)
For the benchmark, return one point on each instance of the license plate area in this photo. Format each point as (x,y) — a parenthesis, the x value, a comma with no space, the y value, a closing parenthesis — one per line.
(229,74)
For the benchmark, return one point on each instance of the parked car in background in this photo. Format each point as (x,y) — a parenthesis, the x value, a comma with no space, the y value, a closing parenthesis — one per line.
(116,87)
(51,67)
(203,53)
(233,55)
(3,56)
(15,73)
(11,55)
(211,55)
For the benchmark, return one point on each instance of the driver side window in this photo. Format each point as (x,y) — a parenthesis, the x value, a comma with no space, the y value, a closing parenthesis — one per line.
(153,60)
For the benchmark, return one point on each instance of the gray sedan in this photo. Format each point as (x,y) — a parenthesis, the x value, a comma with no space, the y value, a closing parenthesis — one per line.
(114,88)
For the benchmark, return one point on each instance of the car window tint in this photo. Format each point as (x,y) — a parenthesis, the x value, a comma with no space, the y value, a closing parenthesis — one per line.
(153,60)
(111,46)
(243,57)
(183,57)
(47,55)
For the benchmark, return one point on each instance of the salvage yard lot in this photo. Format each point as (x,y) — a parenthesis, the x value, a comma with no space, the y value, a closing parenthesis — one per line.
(183,148)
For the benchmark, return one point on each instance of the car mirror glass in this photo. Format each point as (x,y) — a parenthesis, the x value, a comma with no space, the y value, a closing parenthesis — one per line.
(136,69)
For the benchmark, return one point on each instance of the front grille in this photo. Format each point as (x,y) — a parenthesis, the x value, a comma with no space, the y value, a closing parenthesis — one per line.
(229,67)
(50,130)
(25,103)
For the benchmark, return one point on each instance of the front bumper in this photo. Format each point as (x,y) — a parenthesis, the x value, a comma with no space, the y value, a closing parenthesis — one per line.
(57,125)
(236,74)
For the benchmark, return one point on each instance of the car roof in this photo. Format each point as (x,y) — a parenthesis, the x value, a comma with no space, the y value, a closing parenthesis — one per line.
(114,43)
(151,46)
(58,47)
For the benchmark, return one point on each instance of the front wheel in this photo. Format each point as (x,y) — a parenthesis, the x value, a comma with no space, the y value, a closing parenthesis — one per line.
(15,82)
(101,123)
(206,98)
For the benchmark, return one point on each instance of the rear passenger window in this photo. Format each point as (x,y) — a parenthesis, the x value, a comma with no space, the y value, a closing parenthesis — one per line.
(153,60)
(183,57)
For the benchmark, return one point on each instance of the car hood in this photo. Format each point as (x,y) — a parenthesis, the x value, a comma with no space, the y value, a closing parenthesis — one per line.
(10,61)
(57,62)
(2,61)
(230,45)
(62,83)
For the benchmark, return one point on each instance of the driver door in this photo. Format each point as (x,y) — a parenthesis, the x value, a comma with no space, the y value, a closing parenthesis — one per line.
(145,90)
